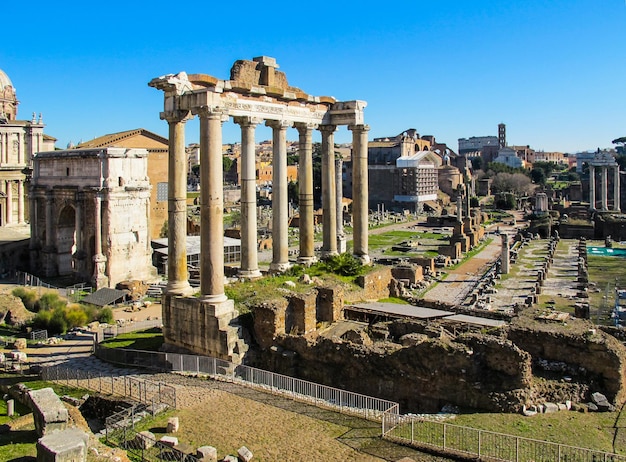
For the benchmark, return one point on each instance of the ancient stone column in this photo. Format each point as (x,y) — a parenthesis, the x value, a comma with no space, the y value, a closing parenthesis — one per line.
(605,187)
(249,255)
(459,208)
(329,193)
(505,255)
(211,206)
(280,201)
(341,237)
(305,194)
(20,202)
(9,210)
(49,221)
(79,254)
(99,277)
(177,276)
(592,187)
(616,190)
(360,196)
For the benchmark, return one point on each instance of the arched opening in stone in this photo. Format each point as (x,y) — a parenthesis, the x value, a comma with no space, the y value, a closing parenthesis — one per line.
(66,240)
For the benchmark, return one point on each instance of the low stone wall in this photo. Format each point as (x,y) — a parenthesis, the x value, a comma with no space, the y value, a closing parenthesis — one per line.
(480,372)
(596,359)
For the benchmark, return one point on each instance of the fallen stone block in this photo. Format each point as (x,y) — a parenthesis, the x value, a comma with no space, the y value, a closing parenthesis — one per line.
(206,454)
(244,454)
(144,440)
(172,425)
(63,445)
(592,407)
(562,406)
(170,441)
(550,408)
(230,459)
(49,413)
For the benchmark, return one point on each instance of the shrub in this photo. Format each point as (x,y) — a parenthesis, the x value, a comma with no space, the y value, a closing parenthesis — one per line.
(28,297)
(344,264)
(49,301)
(106,315)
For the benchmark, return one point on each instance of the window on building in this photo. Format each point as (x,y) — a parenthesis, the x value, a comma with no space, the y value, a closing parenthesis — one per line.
(161,191)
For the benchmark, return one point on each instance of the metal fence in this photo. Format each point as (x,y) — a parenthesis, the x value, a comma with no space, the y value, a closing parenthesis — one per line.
(129,386)
(335,399)
(120,431)
(114,331)
(73,293)
(486,445)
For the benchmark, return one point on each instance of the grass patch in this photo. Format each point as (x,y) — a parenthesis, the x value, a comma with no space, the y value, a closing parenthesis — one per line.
(150,339)
(398,301)
(593,430)
(606,273)
(472,253)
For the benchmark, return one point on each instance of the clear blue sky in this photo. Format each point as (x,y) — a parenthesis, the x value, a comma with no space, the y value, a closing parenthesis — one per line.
(553,70)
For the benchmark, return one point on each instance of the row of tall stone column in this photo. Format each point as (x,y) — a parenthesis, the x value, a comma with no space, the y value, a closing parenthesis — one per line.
(212,201)
(604,187)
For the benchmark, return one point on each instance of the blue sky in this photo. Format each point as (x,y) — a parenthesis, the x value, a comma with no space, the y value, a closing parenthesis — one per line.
(553,71)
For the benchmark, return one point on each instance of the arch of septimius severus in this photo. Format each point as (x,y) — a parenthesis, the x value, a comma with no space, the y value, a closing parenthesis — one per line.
(255,93)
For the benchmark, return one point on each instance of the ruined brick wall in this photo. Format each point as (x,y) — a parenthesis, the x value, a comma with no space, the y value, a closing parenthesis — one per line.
(301,313)
(598,359)
(269,321)
(411,273)
(330,301)
(375,284)
(481,372)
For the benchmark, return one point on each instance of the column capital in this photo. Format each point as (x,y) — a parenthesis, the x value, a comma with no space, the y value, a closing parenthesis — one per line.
(247,121)
(328,129)
(304,127)
(359,128)
(279,124)
(212,112)
(176,116)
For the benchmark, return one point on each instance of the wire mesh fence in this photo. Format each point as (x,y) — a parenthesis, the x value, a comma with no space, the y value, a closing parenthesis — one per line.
(120,431)
(132,387)
(456,439)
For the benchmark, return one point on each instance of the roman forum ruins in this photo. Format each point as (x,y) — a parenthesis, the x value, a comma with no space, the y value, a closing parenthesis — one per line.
(255,93)
(603,161)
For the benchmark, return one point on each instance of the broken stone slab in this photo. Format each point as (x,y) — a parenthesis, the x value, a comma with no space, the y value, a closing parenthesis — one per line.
(529,411)
(49,413)
(244,454)
(172,425)
(562,406)
(550,408)
(206,454)
(144,440)
(592,407)
(170,441)
(230,459)
(69,445)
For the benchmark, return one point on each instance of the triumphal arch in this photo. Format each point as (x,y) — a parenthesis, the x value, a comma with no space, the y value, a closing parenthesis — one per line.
(255,93)
(89,212)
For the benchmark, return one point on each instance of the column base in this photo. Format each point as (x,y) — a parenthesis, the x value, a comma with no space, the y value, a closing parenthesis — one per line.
(307,261)
(214,299)
(329,253)
(179,288)
(364,259)
(279,267)
(220,308)
(249,274)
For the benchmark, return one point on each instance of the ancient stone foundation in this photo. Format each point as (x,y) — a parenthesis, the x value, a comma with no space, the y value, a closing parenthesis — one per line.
(205,328)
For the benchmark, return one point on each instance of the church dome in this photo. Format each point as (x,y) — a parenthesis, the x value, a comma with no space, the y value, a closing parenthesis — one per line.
(4,80)
(8,100)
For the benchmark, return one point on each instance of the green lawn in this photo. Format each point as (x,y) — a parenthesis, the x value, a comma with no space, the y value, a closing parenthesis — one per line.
(150,339)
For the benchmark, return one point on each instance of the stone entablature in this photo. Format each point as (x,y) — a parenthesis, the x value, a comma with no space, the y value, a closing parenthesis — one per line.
(90,215)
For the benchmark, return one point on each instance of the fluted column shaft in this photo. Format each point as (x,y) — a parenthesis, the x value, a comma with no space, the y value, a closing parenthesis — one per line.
(329,192)
(604,190)
(177,276)
(305,193)
(211,206)
(20,201)
(50,221)
(616,188)
(249,254)
(592,187)
(360,192)
(280,205)
(9,210)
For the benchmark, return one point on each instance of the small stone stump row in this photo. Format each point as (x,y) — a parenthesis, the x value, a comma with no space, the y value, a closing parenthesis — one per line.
(542,273)
(582,305)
